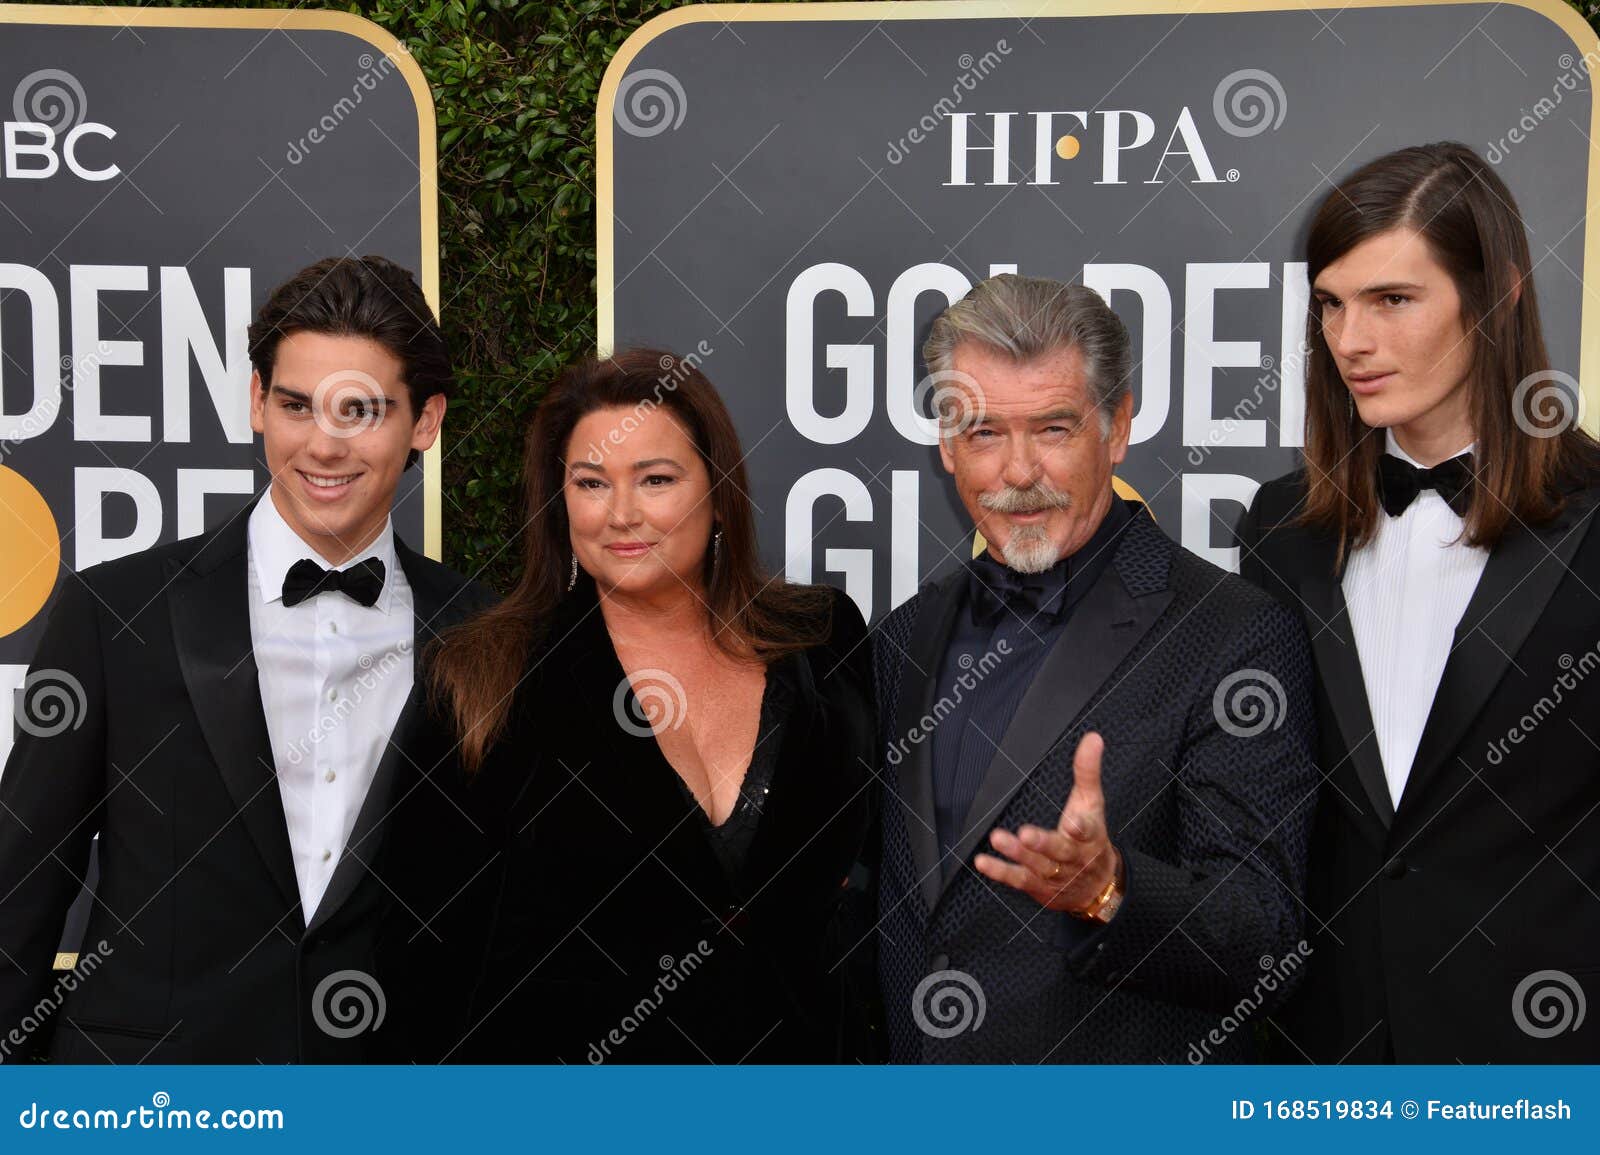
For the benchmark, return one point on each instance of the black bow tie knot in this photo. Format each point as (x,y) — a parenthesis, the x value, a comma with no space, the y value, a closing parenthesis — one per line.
(1399,482)
(997,589)
(362,582)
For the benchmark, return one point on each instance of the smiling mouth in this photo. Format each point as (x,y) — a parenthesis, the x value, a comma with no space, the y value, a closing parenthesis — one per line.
(628,547)
(328,481)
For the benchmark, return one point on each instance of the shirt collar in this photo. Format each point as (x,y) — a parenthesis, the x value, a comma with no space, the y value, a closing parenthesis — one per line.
(275,547)
(1392,447)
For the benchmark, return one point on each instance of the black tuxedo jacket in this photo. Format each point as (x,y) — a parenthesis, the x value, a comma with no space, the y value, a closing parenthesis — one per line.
(1432,918)
(1211,822)
(207,957)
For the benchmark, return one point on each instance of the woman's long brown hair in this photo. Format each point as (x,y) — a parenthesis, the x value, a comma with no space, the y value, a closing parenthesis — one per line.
(475,668)
(1523,460)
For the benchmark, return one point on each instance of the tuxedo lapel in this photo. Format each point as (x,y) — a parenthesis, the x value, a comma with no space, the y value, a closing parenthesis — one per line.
(434,607)
(210,610)
(1339,667)
(1518,581)
(1103,629)
(919,668)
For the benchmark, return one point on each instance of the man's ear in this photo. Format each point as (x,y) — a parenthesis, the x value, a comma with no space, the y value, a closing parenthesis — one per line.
(946,455)
(425,430)
(258,404)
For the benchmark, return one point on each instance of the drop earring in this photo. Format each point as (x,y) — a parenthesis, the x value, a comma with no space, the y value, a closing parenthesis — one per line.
(716,549)
(572,578)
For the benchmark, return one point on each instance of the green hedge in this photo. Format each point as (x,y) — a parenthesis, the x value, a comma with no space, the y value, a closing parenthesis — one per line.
(515,86)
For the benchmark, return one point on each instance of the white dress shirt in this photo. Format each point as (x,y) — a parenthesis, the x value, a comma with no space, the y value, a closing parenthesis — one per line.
(1406,589)
(334,677)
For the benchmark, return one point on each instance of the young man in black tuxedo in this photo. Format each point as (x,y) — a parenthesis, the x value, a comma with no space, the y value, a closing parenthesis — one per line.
(1439,545)
(251,703)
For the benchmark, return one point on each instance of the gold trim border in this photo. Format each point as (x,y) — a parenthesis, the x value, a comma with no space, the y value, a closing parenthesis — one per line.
(427,143)
(1584,41)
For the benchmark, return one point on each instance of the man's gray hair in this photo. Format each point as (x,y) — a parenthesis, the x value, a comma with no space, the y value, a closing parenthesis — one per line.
(1032,317)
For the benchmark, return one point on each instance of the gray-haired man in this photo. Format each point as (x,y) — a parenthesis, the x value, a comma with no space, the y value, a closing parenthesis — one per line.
(1098,749)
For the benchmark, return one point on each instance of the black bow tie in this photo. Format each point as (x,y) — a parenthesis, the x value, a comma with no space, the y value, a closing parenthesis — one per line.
(997,589)
(362,582)
(1399,482)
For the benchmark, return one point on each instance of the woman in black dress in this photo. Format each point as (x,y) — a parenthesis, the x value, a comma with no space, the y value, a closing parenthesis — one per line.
(678,748)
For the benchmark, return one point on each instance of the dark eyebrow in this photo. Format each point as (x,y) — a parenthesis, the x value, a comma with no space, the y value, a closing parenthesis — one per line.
(1053,415)
(1376,290)
(653,461)
(596,466)
(305,399)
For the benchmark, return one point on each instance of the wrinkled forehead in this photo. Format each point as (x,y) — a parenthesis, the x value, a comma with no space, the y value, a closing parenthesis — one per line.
(1052,384)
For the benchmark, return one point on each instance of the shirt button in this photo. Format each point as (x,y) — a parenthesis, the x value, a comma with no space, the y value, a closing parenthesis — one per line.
(333,694)
(327,854)
(333,627)
(329,776)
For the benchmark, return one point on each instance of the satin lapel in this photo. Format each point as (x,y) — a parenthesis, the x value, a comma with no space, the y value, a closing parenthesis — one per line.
(1517,583)
(919,674)
(434,607)
(1339,670)
(1104,627)
(208,601)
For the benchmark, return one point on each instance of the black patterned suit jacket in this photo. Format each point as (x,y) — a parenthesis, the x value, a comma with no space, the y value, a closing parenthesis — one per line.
(1200,685)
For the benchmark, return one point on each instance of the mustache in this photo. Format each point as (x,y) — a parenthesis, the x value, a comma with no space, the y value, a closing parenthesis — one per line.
(1036,498)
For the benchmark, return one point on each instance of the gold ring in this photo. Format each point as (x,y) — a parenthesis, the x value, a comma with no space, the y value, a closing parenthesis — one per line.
(1055,872)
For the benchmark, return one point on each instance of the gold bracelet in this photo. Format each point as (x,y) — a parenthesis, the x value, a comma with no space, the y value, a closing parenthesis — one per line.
(1093,912)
